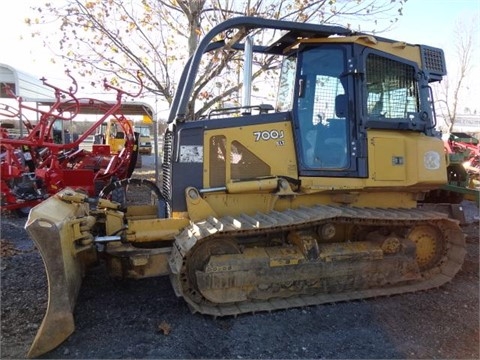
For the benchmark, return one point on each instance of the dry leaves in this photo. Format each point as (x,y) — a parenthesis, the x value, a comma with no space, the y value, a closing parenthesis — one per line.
(165,328)
(7,248)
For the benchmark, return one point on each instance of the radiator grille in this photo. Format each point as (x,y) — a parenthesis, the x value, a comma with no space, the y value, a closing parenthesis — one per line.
(167,171)
(433,61)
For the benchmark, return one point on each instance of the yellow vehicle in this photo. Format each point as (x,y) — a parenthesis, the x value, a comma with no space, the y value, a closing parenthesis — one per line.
(144,139)
(119,133)
(114,132)
(312,203)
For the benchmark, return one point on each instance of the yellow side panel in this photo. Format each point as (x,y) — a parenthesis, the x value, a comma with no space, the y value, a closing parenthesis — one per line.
(388,159)
(404,158)
(272,143)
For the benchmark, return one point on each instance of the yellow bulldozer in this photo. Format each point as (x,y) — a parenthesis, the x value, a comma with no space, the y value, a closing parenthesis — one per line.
(314,200)
(114,133)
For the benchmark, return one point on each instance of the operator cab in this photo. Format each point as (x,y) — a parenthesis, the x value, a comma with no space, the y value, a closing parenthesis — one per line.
(340,88)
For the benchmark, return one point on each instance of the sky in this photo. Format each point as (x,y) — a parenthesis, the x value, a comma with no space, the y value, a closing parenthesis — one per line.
(429,22)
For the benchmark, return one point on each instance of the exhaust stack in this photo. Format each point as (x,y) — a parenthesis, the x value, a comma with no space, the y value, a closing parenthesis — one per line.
(247,72)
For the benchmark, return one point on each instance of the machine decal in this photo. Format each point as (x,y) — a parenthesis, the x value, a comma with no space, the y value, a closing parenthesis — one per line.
(191,154)
(431,160)
(269,135)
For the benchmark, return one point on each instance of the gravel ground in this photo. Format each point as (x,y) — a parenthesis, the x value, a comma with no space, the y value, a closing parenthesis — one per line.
(144,319)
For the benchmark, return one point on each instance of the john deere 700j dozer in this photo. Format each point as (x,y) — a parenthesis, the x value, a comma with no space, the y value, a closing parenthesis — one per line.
(314,201)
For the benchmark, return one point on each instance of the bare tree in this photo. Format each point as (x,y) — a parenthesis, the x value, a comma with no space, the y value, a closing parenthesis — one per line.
(455,85)
(119,37)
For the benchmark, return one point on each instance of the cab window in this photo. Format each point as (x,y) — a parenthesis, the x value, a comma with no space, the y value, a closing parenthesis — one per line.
(392,91)
(322,114)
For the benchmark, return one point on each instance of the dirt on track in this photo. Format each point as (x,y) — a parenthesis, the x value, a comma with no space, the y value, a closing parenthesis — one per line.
(144,319)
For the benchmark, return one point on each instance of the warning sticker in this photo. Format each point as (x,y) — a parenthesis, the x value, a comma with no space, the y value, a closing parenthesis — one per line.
(191,154)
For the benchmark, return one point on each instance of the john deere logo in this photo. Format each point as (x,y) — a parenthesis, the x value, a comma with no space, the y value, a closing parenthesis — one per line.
(431,160)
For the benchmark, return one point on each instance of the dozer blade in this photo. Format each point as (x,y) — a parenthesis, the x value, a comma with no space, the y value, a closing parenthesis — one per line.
(57,228)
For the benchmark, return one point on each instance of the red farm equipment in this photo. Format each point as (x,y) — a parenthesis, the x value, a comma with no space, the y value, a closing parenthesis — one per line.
(463,170)
(40,164)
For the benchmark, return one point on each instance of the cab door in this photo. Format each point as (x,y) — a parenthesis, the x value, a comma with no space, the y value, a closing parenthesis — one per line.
(325,124)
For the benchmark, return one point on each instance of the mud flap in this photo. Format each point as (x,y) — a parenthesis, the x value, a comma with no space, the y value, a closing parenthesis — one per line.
(52,229)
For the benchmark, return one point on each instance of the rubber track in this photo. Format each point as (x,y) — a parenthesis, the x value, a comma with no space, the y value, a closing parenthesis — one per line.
(278,221)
